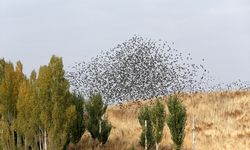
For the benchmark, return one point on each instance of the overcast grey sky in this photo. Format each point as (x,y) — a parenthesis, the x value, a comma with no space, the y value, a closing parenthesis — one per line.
(217,30)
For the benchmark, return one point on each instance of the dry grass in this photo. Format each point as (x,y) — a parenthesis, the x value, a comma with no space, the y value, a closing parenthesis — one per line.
(222,122)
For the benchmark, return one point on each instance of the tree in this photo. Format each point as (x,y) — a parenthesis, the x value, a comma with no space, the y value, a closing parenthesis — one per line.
(137,69)
(147,138)
(55,105)
(24,123)
(176,120)
(152,120)
(9,89)
(39,112)
(97,124)
(60,99)
(78,125)
(2,69)
(44,104)
(105,130)
(158,118)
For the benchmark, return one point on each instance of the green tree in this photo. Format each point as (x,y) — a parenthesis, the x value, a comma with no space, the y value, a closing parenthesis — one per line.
(44,105)
(97,124)
(176,120)
(147,139)
(55,105)
(158,118)
(104,131)
(60,99)
(78,126)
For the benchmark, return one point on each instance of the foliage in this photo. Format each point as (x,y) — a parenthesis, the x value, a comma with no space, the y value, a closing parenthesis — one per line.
(56,94)
(25,118)
(97,124)
(144,114)
(158,118)
(38,112)
(155,116)
(176,120)
(78,126)
(105,131)
(11,80)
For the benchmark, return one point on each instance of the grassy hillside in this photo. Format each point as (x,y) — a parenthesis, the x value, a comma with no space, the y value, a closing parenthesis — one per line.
(222,122)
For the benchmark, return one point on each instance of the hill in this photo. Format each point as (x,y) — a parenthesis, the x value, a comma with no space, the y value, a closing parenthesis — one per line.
(222,122)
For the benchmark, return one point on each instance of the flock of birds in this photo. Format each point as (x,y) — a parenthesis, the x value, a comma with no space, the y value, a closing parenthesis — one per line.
(238,85)
(140,69)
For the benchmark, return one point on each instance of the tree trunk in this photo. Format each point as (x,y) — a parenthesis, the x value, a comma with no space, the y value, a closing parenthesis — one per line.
(45,140)
(100,126)
(156,146)
(146,141)
(36,145)
(25,143)
(8,145)
(100,131)
(40,140)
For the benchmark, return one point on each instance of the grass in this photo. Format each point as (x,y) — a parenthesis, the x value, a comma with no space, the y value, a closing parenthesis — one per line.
(222,122)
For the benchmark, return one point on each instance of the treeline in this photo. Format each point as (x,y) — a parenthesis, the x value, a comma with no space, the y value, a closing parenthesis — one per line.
(41,113)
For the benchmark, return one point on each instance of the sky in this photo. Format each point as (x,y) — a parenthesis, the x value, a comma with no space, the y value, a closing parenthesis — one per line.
(216,30)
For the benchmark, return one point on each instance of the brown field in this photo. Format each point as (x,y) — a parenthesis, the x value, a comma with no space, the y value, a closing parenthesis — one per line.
(222,122)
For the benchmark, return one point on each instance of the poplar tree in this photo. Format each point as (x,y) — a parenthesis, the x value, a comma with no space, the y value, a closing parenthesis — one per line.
(55,105)
(176,120)
(158,118)
(9,89)
(60,98)
(152,119)
(2,66)
(6,100)
(23,114)
(147,139)
(26,122)
(34,120)
(97,124)
(44,104)
(78,126)
(39,112)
